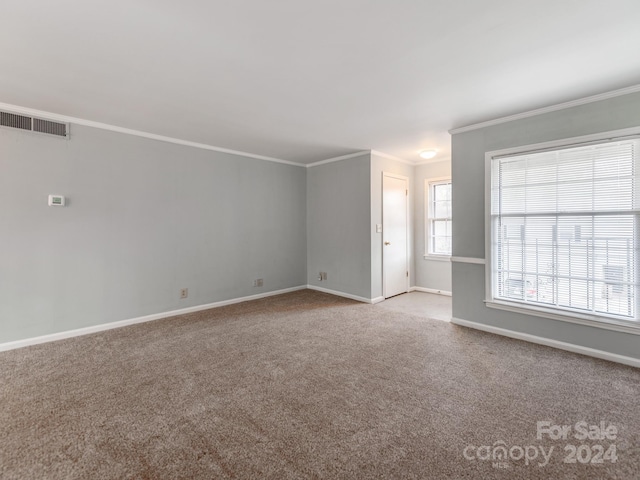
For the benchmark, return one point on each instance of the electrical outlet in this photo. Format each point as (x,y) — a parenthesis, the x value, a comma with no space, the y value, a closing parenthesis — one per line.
(322,276)
(184,292)
(258,282)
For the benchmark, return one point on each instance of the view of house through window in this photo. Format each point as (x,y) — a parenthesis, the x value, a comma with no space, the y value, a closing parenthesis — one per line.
(564,228)
(439,217)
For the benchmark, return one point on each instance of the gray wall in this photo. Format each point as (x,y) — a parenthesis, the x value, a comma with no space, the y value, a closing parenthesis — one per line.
(468,215)
(338,220)
(434,274)
(381,164)
(145,218)
(344,205)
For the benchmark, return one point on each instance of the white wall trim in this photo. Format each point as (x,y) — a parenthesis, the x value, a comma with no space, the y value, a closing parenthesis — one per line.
(377,300)
(137,133)
(477,261)
(430,290)
(162,138)
(550,108)
(437,258)
(132,321)
(337,159)
(357,154)
(391,157)
(613,357)
(345,295)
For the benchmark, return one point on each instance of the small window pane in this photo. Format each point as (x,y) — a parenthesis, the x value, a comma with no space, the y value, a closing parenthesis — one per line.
(442,209)
(439,218)
(441,228)
(442,192)
(442,245)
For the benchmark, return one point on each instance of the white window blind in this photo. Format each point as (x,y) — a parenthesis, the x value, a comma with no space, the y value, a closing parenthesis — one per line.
(565,229)
(439,208)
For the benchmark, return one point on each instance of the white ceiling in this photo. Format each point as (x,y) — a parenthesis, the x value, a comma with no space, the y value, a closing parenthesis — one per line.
(304,81)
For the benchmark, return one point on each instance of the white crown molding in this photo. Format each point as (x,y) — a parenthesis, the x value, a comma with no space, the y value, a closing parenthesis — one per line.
(337,159)
(162,138)
(357,154)
(551,108)
(391,157)
(137,133)
(570,347)
(133,321)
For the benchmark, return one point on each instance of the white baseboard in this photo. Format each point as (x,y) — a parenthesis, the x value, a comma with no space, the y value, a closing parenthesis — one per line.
(132,321)
(430,290)
(346,295)
(592,352)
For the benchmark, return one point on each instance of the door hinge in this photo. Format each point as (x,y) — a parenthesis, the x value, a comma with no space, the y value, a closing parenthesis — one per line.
(407,274)
(406,192)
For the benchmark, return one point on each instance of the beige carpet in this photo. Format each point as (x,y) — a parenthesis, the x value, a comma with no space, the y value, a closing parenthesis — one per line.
(307,385)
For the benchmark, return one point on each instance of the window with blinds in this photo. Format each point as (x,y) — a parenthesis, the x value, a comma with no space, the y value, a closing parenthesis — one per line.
(565,229)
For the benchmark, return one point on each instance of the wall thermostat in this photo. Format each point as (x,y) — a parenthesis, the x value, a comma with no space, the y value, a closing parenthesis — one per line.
(56,200)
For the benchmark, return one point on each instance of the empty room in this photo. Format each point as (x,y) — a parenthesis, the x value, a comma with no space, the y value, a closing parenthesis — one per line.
(319,240)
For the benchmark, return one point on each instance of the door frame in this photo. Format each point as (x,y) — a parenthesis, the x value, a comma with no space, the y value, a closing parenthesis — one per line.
(406,179)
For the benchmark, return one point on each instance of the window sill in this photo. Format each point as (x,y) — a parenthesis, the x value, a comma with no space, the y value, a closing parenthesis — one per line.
(581,319)
(439,258)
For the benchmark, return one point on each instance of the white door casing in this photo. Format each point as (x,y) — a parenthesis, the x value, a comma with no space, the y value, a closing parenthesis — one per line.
(395,258)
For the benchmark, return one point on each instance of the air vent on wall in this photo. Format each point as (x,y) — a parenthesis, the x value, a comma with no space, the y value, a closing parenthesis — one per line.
(33,124)
(15,121)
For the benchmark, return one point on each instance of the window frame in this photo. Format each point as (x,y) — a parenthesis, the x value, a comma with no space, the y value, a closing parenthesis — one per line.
(600,321)
(429,218)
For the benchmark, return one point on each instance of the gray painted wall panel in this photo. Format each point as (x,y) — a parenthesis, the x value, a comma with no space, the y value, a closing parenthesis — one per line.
(144,219)
(468,212)
(467,185)
(338,217)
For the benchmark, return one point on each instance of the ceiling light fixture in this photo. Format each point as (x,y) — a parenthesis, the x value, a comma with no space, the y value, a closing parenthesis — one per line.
(427,154)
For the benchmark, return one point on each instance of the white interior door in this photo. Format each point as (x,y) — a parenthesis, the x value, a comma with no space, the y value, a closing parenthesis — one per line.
(395,269)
